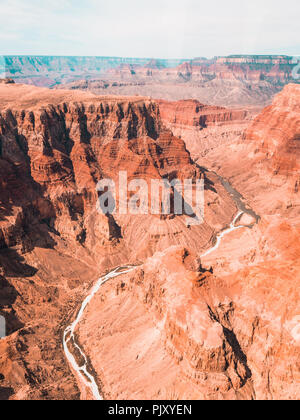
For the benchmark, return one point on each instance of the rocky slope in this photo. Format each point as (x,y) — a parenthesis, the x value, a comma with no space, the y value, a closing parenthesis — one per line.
(229,92)
(176,349)
(54,148)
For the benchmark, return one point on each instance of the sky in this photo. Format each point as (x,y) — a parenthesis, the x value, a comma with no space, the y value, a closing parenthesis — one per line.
(149,28)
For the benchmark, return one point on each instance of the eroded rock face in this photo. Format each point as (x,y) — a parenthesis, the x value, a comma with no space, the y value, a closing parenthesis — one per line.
(186,334)
(276,132)
(51,70)
(204,127)
(61,151)
(226,81)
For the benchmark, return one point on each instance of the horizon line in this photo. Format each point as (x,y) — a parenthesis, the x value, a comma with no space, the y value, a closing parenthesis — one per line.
(153,57)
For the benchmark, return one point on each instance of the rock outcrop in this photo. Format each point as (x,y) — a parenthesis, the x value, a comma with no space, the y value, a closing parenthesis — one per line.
(64,149)
(186,336)
(204,127)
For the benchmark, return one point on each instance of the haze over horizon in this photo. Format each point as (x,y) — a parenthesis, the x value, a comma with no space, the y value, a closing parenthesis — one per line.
(160,29)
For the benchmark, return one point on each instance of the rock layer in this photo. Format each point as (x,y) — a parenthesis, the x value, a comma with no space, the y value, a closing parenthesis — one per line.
(203,127)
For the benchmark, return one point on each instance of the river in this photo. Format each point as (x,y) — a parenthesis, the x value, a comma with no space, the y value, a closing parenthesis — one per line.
(82,370)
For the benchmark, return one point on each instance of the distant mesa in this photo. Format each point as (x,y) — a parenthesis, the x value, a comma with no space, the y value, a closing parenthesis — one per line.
(155,64)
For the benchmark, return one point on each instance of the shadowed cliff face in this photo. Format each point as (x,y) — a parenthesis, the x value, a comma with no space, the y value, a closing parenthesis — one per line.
(52,157)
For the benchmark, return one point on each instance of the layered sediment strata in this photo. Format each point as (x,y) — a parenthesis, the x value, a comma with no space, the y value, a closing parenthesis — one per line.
(276,132)
(65,148)
(202,127)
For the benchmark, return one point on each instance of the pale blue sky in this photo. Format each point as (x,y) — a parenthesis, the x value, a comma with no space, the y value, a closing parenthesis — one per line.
(149,28)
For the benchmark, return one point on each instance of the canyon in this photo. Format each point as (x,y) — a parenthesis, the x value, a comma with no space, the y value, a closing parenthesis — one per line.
(225,81)
(193,320)
(229,332)
(232,81)
(51,70)
(52,157)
